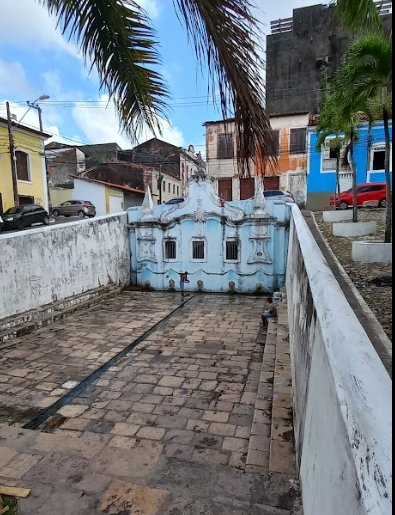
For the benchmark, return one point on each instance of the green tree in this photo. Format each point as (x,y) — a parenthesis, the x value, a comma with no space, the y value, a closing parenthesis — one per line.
(370,63)
(118,38)
(328,126)
(343,112)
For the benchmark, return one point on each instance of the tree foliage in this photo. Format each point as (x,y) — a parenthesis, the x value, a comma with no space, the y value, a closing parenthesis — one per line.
(118,38)
(359,15)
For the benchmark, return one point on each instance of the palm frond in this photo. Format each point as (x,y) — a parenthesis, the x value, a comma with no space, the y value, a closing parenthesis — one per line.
(226,36)
(370,62)
(116,36)
(359,15)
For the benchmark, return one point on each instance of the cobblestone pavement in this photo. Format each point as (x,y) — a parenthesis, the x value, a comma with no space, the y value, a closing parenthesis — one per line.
(38,369)
(167,429)
(192,386)
(364,276)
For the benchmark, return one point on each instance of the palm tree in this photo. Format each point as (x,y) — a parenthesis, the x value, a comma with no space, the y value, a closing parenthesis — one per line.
(344,113)
(370,62)
(371,59)
(328,126)
(119,40)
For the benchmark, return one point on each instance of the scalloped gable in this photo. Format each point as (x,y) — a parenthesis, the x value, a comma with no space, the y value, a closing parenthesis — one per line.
(202,204)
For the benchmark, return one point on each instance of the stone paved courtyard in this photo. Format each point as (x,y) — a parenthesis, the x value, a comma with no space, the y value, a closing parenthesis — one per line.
(174,427)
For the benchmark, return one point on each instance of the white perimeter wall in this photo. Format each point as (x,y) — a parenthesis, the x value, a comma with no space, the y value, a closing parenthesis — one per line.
(95,193)
(343,394)
(40,266)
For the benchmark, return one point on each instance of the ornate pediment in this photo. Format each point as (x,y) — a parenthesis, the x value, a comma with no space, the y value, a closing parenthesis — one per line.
(201,205)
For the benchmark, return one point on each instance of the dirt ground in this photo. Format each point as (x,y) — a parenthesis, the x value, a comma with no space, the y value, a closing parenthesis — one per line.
(374,281)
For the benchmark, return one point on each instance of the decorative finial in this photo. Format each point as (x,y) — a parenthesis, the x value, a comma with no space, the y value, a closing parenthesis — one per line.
(259,202)
(148,206)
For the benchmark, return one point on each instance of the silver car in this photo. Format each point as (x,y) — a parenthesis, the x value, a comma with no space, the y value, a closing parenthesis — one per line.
(286,196)
(80,208)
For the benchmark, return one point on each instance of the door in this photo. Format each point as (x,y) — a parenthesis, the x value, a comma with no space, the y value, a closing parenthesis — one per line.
(225,189)
(364,194)
(116,204)
(28,216)
(37,214)
(378,192)
(76,207)
(272,183)
(345,181)
(247,189)
(25,201)
(65,209)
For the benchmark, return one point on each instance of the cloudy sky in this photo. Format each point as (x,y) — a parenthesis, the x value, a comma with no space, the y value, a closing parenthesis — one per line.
(35,59)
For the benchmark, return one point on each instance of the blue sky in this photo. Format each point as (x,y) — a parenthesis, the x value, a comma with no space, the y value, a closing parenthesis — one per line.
(36,59)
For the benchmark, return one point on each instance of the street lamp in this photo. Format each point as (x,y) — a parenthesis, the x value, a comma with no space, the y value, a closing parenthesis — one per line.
(33,105)
(160,178)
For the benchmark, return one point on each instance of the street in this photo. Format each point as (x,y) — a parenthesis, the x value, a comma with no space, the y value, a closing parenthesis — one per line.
(54,221)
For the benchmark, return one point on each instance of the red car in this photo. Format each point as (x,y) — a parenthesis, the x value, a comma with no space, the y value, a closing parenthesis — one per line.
(376,192)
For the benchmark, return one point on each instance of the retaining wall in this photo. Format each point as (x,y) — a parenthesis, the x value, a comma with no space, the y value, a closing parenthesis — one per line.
(343,394)
(44,265)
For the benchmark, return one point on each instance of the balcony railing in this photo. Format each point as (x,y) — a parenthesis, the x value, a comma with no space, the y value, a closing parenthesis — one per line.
(280,26)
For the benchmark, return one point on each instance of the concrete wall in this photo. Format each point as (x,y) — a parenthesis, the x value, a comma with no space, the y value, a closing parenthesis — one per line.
(220,168)
(60,195)
(295,59)
(62,163)
(95,193)
(284,124)
(343,394)
(52,263)
(295,183)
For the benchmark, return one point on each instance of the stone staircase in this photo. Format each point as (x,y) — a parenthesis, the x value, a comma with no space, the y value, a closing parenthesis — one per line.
(26,323)
(272,447)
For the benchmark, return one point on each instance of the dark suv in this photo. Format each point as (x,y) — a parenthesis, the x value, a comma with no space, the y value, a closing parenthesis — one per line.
(25,216)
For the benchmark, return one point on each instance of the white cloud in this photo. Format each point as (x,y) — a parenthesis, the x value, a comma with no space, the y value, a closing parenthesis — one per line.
(52,129)
(13,79)
(169,134)
(101,125)
(151,6)
(27,24)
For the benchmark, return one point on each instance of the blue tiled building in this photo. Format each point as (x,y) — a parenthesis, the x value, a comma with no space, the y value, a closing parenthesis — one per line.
(321,181)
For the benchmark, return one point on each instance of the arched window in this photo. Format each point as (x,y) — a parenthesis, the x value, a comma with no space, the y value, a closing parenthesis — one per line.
(23,166)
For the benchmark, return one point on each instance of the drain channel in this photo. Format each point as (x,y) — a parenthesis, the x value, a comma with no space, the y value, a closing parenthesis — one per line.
(45,415)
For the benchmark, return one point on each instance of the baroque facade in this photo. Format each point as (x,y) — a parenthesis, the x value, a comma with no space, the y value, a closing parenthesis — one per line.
(224,246)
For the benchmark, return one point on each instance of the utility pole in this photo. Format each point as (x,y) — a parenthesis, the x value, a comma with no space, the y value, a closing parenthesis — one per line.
(14,171)
(40,117)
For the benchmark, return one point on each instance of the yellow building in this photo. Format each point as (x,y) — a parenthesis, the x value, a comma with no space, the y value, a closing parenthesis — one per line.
(31,169)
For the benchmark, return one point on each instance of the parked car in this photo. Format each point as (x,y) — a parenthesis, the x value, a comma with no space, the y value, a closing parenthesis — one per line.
(80,208)
(175,201)
(376,192)
(286,196)
(25,216)
(1,223)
